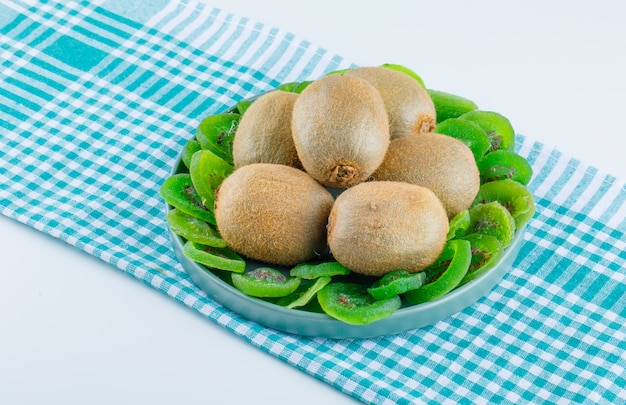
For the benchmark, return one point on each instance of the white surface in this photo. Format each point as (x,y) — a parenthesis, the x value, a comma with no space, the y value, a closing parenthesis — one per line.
(556,69)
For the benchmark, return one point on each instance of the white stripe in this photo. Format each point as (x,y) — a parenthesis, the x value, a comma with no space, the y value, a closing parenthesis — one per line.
(553,176)
(161,15)
(569,187)
(589,192)
(225,38)
(244,37)
(172,24)
(195,25)
(218,21)
(605,202)
(279,64)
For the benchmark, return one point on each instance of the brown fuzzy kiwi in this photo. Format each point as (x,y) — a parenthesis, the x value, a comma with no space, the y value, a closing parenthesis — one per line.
(273,213)
(439,162)
(409,107)
(380,226)
(340,130)
(264,132)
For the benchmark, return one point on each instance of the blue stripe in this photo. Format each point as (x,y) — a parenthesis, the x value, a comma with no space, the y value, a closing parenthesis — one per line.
(118,18)
(107,27)
(162,82)
(17,114)
(95,37)
(53,69)
(42,37)
(43,79)
(32,27)
(7,28)
(145,76)
(32,90)
(7,125)
(186,101)
(171,94)
(19,100)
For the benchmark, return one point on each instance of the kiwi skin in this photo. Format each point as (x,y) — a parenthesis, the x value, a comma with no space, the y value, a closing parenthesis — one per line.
(340,130)
(264,132)
(273,213)
(439,162)
(408,105)
(380,226)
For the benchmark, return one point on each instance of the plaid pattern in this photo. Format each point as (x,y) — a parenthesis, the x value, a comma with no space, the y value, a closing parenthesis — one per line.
(97,100)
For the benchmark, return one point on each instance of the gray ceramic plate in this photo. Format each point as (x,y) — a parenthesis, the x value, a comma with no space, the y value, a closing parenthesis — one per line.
(321,325)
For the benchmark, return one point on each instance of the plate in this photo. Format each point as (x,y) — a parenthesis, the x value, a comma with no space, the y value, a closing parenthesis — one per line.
(313,324)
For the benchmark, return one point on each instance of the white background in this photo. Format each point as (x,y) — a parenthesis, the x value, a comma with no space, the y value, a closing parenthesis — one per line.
(555,69)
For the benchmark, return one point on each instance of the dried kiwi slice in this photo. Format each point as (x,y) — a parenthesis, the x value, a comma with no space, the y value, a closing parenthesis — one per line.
(288,86)
(242,106)
(207,172)
(337,72)
(512,195)
(310,271)
(395,283)
(450,105)
(467,132)
(486,253)
(193,229)
(265,282)
(301,86)
(493,219)
(191,147)
(216,133)
(179,192)
(221,258)
(303,294)
(445,274)
(504,164)
(497,127)
(352,304)
(405,70)
(459,225)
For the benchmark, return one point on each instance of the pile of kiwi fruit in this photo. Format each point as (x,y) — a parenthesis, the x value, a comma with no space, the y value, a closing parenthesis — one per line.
(353,194)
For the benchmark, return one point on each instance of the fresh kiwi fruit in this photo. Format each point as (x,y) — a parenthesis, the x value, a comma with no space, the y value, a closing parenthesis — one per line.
(264,132)
(273,213)
(380,226)
(439,162)
(407,103)
(340,130)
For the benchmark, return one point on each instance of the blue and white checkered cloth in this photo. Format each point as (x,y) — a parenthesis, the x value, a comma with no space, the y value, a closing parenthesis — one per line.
(97,100)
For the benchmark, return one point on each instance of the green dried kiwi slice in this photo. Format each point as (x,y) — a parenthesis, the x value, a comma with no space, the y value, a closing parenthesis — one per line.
(497,127)
(395,283)
(445,273)
(265,282)
(405,70)
(217,132)
(301,86)
(304,293)
(207,171)
(193,229)
(459,225)
(486,253)
(493,219)
(352,304)
(288,86)
(310,271)
(514,196)
(504,164)
(449,105)
(337,72)
(467,132)
(191,147)
(221,258)
(242,106)
(179,192)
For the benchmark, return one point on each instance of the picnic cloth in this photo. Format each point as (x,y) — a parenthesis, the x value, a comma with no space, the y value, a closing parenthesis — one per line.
(97,100)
